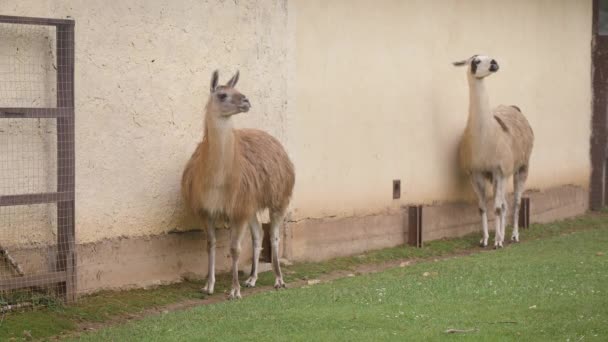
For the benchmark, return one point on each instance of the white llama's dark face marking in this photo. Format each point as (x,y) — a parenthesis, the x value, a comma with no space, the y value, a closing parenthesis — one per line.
(483,66)
(474,64)
(480,66)
(226,99)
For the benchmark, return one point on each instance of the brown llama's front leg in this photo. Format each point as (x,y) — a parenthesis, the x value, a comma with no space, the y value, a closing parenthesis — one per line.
(208,289)
(235,251)
(275,228)
(256,242)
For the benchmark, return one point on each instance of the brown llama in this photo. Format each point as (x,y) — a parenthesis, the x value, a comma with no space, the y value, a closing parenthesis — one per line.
(232,176)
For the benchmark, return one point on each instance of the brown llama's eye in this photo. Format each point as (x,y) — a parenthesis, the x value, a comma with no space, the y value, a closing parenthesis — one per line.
(222,96)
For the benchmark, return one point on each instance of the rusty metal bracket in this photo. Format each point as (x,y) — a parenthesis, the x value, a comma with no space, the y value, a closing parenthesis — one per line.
(524,213)
(415,226)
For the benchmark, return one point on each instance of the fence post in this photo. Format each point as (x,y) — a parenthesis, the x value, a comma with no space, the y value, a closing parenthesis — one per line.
(66,257)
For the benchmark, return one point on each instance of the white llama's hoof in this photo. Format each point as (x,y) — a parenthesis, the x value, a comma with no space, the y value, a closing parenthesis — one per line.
(279,283)
(251,281)
(497,245)
(515,238)
(234,294)
(208,289)
(483,244)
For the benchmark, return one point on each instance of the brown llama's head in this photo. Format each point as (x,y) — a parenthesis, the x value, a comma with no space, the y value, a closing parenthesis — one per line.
(225,100)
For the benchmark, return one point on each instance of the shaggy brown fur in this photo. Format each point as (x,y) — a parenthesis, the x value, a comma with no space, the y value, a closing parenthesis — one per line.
(234,174)
(259,175)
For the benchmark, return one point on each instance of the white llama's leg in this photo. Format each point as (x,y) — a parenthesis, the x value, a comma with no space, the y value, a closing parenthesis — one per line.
(519,179)
(256,243)
(210,257)
(235,251)
(276,219)
(503,217)
(479,186)
(499,208)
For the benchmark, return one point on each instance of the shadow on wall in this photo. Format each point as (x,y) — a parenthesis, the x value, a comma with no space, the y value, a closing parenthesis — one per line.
(462,180)
(448,144)
(185,221)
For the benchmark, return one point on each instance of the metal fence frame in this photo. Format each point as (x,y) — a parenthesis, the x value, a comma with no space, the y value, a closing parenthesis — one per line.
(65,275)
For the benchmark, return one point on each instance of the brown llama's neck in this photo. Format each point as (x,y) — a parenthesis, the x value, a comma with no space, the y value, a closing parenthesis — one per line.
(219,134)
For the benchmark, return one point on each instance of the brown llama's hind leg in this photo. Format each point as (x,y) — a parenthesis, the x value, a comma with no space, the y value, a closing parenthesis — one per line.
(256,242)
(276,219)
(208,289)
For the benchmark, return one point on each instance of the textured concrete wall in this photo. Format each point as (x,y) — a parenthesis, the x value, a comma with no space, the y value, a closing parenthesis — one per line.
(360,92)
(142,79)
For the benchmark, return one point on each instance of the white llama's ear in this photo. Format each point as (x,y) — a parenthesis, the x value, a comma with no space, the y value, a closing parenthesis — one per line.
(233,80)
(464,62)
(214,79)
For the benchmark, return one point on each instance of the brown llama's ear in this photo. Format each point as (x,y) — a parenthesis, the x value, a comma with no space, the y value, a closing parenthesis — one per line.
(214,79)
(233,80)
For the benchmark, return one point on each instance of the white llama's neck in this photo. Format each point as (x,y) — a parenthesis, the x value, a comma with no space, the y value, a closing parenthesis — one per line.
(479,107)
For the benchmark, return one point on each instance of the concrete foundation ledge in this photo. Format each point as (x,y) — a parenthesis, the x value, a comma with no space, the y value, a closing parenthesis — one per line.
(153,260)
(457,219)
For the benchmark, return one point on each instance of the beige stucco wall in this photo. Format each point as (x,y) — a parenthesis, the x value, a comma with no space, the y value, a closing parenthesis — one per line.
(142,78)
(360,92)
(378,98)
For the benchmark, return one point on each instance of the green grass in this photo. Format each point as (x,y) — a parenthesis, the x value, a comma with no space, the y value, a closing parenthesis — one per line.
(552,289)
(54,319)
(45,321)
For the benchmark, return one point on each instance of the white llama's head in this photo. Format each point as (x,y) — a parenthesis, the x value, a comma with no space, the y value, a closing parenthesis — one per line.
(479,66)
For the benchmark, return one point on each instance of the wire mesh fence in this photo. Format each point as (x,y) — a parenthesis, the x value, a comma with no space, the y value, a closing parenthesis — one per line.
(37,257)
